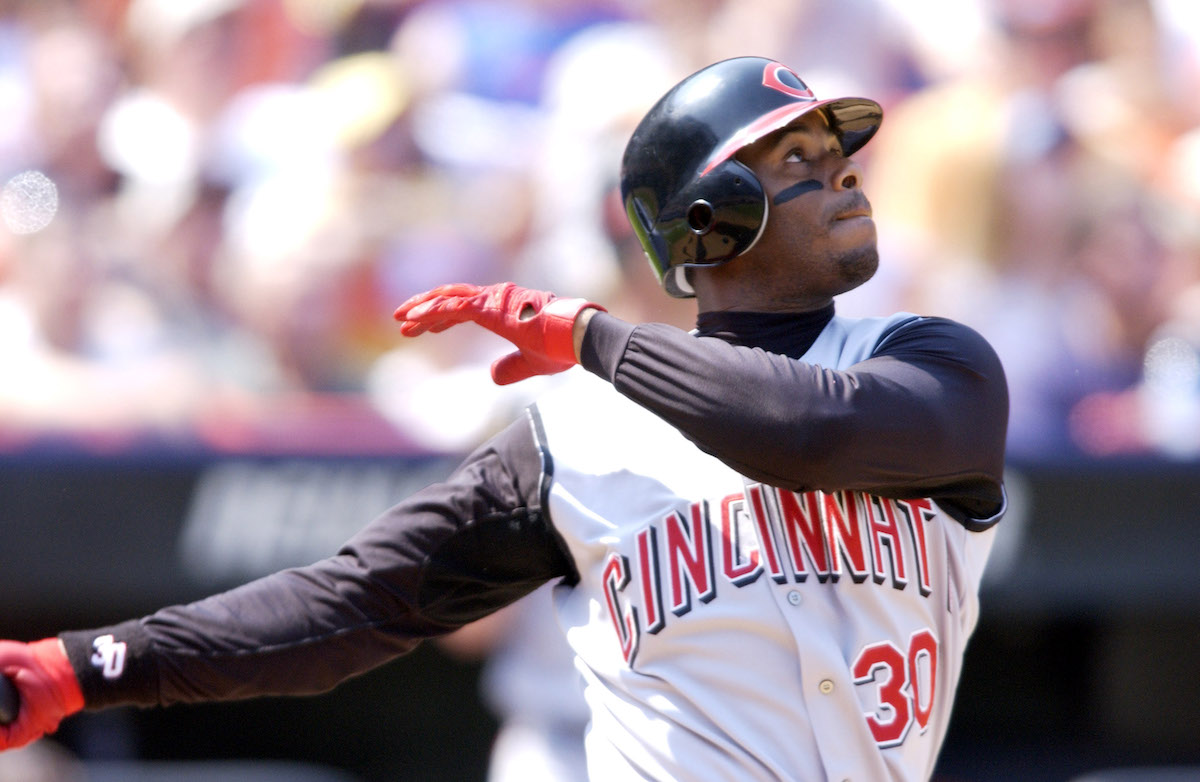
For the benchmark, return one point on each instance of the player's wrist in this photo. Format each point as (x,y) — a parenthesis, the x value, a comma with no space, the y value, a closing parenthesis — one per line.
(51,656)
(580,326)
(565,323)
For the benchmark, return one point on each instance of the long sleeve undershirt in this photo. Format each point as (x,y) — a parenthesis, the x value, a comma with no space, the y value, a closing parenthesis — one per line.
(924,416)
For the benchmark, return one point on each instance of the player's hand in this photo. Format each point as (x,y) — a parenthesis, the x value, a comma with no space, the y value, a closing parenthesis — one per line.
(538,323)
(47,685)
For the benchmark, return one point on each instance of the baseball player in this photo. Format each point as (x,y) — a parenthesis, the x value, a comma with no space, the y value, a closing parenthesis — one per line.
(767,533)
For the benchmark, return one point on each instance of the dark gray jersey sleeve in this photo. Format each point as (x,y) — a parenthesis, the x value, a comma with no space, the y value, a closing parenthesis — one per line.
(448,554)
(925,416)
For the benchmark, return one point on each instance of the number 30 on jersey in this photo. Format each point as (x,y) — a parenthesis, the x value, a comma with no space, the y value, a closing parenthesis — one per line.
(905,682)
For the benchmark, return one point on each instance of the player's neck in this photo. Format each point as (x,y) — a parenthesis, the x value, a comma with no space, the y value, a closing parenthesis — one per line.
(786,333)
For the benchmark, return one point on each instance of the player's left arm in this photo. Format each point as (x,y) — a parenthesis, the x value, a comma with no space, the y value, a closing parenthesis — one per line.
(445,556)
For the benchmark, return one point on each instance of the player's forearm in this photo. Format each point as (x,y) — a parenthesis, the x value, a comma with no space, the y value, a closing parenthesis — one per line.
(443,557)
(290,633)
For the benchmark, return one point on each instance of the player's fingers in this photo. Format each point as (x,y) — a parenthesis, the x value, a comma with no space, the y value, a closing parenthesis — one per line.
(412,328)
(404,309)
(31,723)
(415,328)
(452,290)
(401,312)
(443,308)
(431,323)
(431,307)
(456,290)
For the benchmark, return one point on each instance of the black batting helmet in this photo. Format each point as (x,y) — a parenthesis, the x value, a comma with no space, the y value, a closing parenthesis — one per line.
(689,201)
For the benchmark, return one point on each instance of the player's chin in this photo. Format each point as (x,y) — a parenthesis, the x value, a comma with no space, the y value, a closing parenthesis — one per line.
(858,264)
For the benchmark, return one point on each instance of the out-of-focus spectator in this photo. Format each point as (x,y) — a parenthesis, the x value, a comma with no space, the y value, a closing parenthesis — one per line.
(212,206)
(530,683)
(1024,198)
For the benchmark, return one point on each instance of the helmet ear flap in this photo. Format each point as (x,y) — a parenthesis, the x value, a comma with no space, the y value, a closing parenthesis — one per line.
(717,218)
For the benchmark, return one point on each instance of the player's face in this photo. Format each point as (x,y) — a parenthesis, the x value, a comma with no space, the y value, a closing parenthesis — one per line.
(819,239)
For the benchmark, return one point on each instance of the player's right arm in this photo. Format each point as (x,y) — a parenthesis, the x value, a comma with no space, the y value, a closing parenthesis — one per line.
(924,416)
(447,555)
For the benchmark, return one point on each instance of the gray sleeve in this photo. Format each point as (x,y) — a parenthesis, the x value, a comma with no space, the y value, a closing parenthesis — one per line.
(925,416)
(445,556)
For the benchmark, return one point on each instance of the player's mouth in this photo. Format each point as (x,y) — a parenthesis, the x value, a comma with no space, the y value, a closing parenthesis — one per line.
(850,214)
(854,206)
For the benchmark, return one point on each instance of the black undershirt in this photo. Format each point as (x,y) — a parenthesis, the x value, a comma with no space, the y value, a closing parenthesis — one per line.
(925,416)
(786,333)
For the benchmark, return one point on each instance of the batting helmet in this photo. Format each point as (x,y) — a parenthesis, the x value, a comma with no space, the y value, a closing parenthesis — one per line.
(689,202)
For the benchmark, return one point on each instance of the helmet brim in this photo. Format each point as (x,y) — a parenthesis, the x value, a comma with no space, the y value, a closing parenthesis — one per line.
(854,120)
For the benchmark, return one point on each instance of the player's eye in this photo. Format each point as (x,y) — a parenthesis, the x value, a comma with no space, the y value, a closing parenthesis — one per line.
(799,155)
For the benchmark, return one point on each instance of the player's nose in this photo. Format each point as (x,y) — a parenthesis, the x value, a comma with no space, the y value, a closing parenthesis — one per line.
(847,175)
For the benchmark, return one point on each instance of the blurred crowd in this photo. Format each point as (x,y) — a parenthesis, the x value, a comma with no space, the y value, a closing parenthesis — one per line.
(211,207)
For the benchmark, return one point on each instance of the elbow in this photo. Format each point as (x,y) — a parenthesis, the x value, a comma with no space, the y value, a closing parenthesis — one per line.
(807,458)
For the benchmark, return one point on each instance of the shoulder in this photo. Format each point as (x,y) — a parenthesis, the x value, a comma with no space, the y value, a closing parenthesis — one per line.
(941,338)
(846,341)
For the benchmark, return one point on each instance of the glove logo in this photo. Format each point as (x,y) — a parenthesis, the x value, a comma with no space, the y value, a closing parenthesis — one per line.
(109,656)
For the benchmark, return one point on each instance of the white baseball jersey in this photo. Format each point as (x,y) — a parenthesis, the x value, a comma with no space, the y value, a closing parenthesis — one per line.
(728,630)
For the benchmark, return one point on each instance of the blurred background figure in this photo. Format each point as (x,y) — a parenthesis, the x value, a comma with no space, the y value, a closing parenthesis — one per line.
(530,684)
(1040,211)
(236,192)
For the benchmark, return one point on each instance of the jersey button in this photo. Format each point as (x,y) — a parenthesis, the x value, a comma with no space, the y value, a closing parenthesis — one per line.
(794,597)
(826,686)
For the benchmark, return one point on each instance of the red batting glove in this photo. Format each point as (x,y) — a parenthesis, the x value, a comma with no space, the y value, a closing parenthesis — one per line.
(538,323)
(47,685)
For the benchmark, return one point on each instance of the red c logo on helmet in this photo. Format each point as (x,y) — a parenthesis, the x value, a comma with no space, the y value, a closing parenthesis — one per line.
(771,79)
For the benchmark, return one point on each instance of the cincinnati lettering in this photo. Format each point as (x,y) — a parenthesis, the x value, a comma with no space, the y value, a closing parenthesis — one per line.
(763,532)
